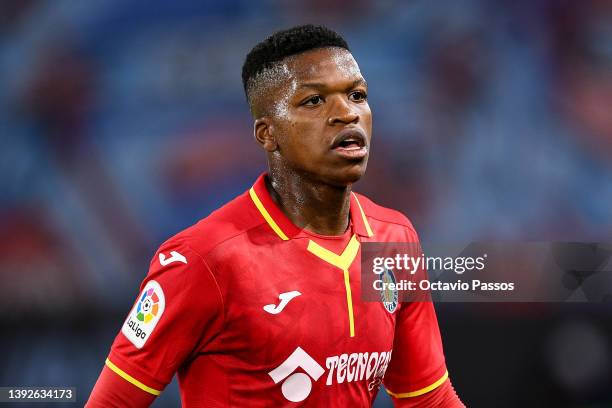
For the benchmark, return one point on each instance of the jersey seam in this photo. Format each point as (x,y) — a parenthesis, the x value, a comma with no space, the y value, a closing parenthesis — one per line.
(410,227)
(212,275)
(185,239)
(224,240)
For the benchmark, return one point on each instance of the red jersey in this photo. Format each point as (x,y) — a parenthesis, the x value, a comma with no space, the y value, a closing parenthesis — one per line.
(251,310)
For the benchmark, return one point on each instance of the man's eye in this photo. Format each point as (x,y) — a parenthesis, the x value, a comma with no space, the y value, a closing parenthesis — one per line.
(313,100)
(358,96)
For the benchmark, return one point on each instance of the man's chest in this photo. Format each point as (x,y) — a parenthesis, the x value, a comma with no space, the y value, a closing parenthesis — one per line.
(291,311)
(301,293)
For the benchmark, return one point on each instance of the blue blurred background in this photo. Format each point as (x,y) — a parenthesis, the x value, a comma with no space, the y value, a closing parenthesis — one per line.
(123,122)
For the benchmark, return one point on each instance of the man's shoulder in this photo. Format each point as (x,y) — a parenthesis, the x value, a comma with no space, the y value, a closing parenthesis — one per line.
(231,220)
(384,215)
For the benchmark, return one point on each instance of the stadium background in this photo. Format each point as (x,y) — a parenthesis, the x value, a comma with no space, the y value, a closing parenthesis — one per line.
(123,122)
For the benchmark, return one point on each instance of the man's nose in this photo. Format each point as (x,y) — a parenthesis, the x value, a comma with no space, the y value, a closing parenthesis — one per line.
(342,113)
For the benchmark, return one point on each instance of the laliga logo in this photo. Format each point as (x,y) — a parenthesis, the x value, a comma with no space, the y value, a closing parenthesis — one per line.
(145,314)
(297,386)
(148,307)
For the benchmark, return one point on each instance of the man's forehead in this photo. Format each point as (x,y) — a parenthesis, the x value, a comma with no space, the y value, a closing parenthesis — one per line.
(321,63)
(319,68)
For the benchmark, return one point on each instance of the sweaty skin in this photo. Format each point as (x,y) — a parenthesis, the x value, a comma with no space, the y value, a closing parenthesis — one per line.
(320,94)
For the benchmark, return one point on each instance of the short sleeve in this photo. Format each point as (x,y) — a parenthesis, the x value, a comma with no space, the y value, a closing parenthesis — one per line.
(417,365)
(178,311)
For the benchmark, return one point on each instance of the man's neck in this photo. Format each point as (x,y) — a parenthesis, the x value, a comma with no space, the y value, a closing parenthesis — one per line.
(319,208)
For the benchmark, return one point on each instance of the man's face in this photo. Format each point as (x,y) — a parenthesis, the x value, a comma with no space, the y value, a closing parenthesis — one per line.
(321,119)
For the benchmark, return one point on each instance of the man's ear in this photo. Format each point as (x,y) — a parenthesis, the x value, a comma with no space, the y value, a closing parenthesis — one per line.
(263,132)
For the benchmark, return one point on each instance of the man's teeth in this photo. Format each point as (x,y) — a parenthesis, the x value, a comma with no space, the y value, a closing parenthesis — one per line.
(348,143)
(350,146)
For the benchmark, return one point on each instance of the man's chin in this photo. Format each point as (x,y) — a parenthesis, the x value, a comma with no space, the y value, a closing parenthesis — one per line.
(347,176)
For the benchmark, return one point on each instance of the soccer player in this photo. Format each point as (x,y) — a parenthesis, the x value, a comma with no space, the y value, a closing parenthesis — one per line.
(257,305)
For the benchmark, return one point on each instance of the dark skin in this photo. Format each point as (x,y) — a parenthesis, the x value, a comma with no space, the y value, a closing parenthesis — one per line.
(311,178)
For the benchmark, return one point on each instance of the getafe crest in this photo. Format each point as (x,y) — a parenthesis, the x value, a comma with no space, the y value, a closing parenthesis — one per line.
(389,297)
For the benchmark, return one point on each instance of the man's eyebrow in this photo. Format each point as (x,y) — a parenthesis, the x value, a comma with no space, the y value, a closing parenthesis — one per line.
(320,85)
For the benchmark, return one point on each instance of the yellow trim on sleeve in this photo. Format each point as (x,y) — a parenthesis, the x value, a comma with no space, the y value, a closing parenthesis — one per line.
(363,216)
(342,261)
(131,379)
(421,391)
(267,215)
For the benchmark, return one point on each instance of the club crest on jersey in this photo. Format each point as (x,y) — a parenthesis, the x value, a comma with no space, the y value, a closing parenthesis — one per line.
(389,297)
(145,314)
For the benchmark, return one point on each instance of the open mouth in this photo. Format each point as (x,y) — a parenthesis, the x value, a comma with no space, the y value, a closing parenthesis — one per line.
(350,143)
(352,138)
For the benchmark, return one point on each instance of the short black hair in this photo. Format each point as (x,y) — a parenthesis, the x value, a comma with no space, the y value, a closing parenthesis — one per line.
(285,43)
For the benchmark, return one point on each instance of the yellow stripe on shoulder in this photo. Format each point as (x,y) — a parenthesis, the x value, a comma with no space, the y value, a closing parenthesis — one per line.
(363,216)
(421,391)
(267,215)
(131,379)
